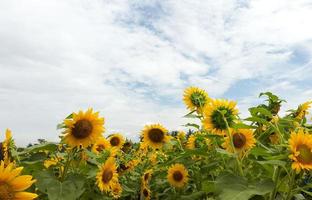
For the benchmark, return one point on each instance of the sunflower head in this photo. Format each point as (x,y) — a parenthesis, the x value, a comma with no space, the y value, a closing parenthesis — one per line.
(116,140)
(191,142)
(101,145)
(147,176)
(302,110)
(154,135)
(5,147)
(300,145)
(107,175)
(181,135)
(145,192)
(195,98)
(83,129)
(243,140)
(177,175)
(13,185)
(274,138)
(216,113)
(116,190)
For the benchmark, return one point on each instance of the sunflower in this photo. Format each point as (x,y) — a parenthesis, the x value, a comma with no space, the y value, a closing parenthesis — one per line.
(191,142)
(100,145)
(107,176)
(145,192)
(5,147)
(213,115)
(84,128)
(154,135)
(195,98)
(147,176)
(116,140)
(13,185)
(303,110)
(177,175)
(300,145)
(116,190)
(243,140)
(274,138)
(181,135)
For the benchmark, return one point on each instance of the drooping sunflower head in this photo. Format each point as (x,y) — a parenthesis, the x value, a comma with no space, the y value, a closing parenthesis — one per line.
(83,129)
(177,175)
(145,192)
(217,114)
(302,110)
(107,175)
(154,135)
(300,145)
(100,145)
(243,140)
(12,185)
(195,98)
(116,140)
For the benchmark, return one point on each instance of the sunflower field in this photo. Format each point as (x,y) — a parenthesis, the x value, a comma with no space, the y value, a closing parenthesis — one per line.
(222,156)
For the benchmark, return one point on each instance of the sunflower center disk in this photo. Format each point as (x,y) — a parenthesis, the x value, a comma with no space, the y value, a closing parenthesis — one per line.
(156,135)
(5,193)
(100,147)
(107,176)
(114,141)
(145,192)
(198,99)
(305,155)
(146,176)
(82,129)
(177,176)
(239,140)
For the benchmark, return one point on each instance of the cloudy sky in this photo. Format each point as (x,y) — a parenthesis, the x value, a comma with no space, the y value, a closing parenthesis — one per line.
(131,60)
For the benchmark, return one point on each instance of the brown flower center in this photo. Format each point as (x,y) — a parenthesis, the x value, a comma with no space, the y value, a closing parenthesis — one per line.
(82,129)
(107,175)
(146,176)
(305,155)
(177,176)
(5,192)
(156,135)
(239,140)
(100,147)
(114,141)
(145,192)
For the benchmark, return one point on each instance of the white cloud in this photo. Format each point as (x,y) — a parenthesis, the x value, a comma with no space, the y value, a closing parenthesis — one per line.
(132,59)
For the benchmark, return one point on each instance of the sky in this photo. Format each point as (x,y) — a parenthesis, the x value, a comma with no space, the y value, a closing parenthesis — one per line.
(131,60)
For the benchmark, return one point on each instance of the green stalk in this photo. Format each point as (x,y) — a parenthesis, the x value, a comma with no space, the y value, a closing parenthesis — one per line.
(291,184)
(238,161)
(275,177)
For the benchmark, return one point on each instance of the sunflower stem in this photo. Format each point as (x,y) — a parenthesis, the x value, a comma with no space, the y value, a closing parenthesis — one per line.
(68,161)
(275,177)
(291,184)
(228,132)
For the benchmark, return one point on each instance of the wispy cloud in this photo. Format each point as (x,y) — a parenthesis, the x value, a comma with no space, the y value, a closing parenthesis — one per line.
(132,59)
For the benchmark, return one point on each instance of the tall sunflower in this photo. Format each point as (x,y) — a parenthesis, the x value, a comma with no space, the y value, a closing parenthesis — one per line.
(243,140)
(100,145)
(177,175)
(195,98)
(116,140)
(5,147)
(84,128)
(213,115)
(155,136)
(145,192)
(12,185)
(300,145)
(107,176)
(303,110)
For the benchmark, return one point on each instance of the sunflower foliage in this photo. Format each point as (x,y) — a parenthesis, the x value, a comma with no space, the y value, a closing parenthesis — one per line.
(220,156)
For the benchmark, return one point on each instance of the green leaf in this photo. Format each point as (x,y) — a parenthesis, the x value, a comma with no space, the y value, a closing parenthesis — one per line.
(191,125)
(260,110)
(71,189)
(48,146)
(233,187)
(194,195)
